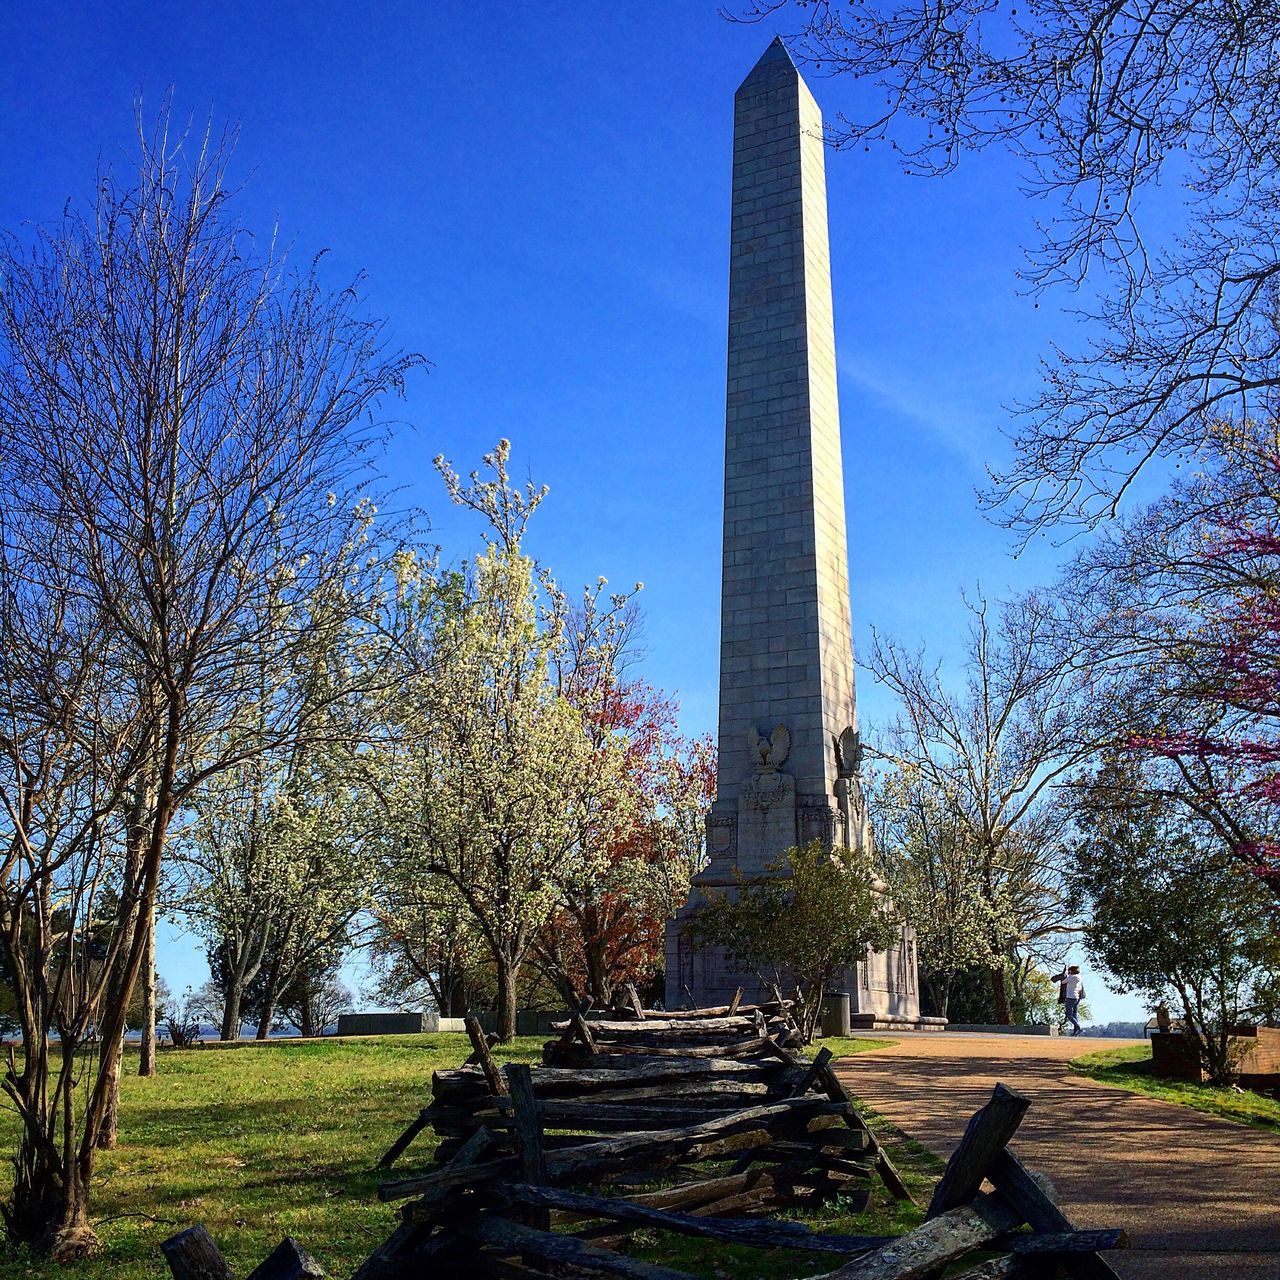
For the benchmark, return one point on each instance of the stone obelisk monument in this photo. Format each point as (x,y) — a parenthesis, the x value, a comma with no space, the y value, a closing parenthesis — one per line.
(788,742)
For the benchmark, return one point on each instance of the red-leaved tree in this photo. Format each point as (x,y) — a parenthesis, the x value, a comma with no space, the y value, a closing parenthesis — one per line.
(609,928)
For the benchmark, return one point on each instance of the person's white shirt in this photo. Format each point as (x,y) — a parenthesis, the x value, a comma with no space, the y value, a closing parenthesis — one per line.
(1071,983)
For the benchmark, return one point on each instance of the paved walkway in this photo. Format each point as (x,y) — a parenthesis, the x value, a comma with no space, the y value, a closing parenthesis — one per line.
(1199,1197)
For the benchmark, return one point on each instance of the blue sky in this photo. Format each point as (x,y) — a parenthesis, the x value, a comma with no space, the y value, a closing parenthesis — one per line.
(540,198)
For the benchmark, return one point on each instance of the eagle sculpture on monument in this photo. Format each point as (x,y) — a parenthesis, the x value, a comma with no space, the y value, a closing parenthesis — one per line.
(767,754)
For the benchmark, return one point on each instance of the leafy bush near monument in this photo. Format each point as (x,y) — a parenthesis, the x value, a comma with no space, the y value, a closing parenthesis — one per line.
(815,915)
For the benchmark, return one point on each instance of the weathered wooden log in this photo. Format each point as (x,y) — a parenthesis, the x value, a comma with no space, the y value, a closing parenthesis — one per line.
(855,1197)
(646,1070)
(606,1118)
(661,1147)
(288,1261)
(656,1047)
(402,1143)
(506,1144)
(769,1007)
(467,1086)
(1011,1178)
(829,1083)
(409,1250)
(687,1195)
(696,1142)
(527,1123)
(986,1135)
(1092,1241)
(480,1047)
(455,1084)
(934,1243)
(809,1154)
(1005,1268)
(619,1027)
(615,1057)
(473,1059)
(704,1096)
(714,1091)
(852,1141)
(468,1157)
(814,1071)
(810,1138)
(563,1250)
(583,1030)
(192,1255)
(763,1235)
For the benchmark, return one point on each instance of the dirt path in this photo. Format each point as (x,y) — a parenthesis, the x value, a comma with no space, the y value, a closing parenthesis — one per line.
(1200,1197)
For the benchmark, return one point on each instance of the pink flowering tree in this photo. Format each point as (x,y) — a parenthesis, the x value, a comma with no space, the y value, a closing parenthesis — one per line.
(1183,601)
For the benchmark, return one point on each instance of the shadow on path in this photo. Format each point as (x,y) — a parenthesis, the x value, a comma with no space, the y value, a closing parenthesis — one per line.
(1203,1193)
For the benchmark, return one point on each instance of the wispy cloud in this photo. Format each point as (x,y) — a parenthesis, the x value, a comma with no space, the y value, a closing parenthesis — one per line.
(968,431)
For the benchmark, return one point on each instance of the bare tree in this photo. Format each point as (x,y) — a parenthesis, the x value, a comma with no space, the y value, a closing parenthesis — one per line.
(182,417)
(67,761)
(1101,102)
(314,1002)
(991,753)
(935,876)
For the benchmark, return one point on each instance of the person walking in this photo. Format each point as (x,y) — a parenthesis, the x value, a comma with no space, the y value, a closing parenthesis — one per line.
(1070,993)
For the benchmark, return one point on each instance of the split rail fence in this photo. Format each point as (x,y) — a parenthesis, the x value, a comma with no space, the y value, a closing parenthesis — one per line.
(703,1123)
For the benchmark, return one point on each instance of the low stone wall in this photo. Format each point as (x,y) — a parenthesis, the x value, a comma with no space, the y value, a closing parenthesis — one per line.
(995,1028)
(386,1024)
(1174,1055)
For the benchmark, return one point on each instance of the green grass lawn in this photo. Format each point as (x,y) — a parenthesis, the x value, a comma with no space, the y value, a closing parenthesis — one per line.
(263,1141)
(1130,1068)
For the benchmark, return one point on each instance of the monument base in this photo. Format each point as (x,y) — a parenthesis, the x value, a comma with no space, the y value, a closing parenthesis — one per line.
(883,989)
(891,1022)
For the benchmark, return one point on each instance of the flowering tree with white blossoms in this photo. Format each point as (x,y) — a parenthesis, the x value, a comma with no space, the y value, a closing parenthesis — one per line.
(934,873)
(272,853)
(491,777)
(276,876)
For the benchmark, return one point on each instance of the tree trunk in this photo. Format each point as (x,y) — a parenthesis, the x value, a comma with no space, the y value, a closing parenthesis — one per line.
(72,1238)
(507,974)
(47,1206)
(230,1029)
(147,1058)
(457,998)
(269,998)
(110,1063)
(306,1009)
(1000,996)
(941,996)
(598,985)
(936,986)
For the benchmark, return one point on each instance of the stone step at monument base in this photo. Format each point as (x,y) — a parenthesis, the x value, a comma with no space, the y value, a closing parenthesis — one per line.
(872,1021)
